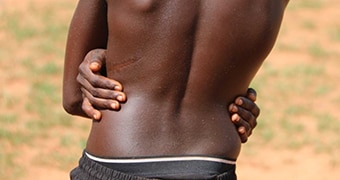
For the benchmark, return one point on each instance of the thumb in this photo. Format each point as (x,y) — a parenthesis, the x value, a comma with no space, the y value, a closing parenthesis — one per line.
(97,58)
(95,66)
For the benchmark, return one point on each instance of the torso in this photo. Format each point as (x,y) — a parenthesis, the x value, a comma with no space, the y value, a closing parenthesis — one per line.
(181,63)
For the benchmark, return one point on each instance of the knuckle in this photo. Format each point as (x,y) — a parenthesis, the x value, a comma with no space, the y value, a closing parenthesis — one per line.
(244,139)
(107,84)
(251,105)
(107,104)
(79,79)
(247,126)
(81,67)
(252,121)
(89,54)
(94,80)
(105,81)
(250,133)
(90,98)
(113,95)
(248,104)
(94,93)
(116,94)
(95,51)
(258,111)
(252,126)
(85,108)
(255,123)
(249,116)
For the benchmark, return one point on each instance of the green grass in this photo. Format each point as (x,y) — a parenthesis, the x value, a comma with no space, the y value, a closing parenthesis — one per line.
(316,50)
(334,33)
(50,68)
(306,4)
(309,25)
(14,137)
(9,169)
(16,29)
(322,90)
(327,123)
(41,34)
(287,47)
(9,118)
(7,100)
(284,117)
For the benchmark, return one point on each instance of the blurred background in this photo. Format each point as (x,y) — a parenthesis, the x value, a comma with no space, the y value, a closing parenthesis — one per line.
(298,91)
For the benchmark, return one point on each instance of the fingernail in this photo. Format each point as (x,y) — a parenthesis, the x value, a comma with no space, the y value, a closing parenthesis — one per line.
(94,65)
(114,106)
(241,130)
(235,118)
(118,88)
(96,117)
(234,108)
(120,98)
(239,101)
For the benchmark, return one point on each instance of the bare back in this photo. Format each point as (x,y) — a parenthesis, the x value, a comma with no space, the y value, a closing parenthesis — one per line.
(181,62)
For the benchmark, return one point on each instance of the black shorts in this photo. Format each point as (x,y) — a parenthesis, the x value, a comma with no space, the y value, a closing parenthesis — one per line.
(186,167)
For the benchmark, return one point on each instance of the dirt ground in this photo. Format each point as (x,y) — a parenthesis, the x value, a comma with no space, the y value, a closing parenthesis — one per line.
(297,136)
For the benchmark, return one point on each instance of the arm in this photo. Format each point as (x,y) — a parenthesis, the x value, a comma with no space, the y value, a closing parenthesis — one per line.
(88,30)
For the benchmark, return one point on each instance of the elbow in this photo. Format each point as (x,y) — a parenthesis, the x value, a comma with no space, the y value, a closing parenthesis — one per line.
(67,108)
(71,100)
(71,107)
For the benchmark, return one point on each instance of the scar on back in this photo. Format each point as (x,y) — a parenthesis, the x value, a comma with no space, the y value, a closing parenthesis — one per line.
(120,66)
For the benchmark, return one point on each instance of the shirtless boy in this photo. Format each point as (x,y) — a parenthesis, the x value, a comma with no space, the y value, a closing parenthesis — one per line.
(180,62)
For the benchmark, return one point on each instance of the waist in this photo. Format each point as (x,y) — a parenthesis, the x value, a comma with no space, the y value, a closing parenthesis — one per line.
(170,167)
(145,128)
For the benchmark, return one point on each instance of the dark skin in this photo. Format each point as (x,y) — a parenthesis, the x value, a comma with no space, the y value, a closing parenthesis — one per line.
(180,62)
(100,92)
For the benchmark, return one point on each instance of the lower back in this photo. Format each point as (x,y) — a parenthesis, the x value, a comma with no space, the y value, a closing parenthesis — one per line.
(146,128)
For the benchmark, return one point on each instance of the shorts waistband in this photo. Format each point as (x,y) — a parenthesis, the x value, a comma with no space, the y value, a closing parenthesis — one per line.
(178,167)
(160,159)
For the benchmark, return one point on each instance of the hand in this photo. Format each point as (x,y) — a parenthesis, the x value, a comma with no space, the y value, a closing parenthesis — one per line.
(99,92)
(244,114)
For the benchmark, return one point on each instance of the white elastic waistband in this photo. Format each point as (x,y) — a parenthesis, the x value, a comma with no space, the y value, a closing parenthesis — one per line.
(160,159)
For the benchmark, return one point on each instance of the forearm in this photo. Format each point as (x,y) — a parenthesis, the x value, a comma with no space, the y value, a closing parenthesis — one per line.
(88,30)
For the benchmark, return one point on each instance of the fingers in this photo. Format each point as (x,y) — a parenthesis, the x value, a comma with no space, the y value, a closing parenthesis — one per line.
(243,127)
(97,80)
(100,103)
(251,94)
(244,114)
(242,133)
(90,111)
(101,93)
(248,105)
(91,66)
